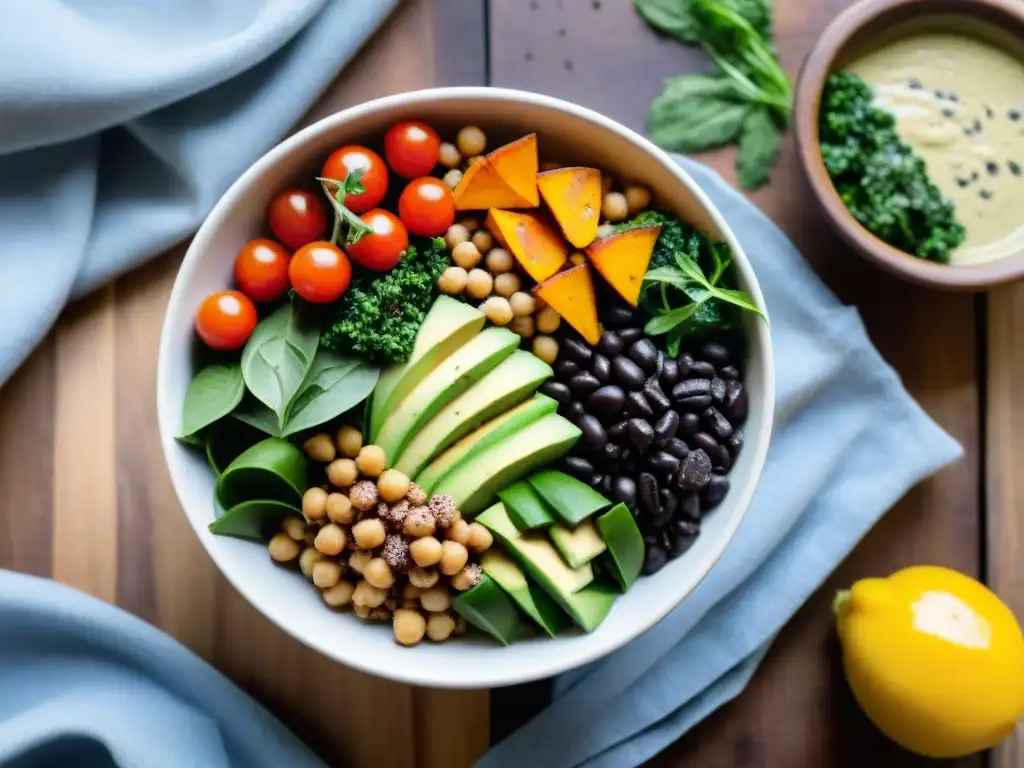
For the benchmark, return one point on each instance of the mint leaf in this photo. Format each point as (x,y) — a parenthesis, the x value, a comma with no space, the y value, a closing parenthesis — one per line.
(672,17)
(759,146)
(694,113)
(666,321)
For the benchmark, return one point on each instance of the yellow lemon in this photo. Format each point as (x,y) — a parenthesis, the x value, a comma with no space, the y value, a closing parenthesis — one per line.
(934,658)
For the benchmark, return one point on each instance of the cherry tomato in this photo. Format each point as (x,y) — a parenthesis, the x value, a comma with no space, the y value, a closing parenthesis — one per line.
(320,272)
(297,217)
(225,319)
(352,157)
(427,207)
(382,249)
(411,149)
(261,269)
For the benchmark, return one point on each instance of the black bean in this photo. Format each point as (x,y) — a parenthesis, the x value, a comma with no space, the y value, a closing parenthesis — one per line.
(624,490)
(702,369)
(618,431)
(722,463)
(641,434)
(583,384)
(605,464)
(694,402)
(607,401)
(734,443)
(717,424)
(704,442)
(573,411)
(647,493)
(612,454)
(729,372)
(601,367)
(627,373)
(663,463)
(577,466)
(594,437)
(595,480)
(734,407)
(669,502)
(617,317)
(658,400)
(655,558)
(610,344)
(637,405)
(628,466)
(556,390)
(659,364)
(683,534)
(606,486)
(690,388)
(574,349)
(714,492)
(661,519)
(669,374)
(689,506)
(684,361)
(695,471)
(644,354)
(631,335)
(665,428)
(715,353)
(566,368)
(689,424)
(717,389)
(677,448)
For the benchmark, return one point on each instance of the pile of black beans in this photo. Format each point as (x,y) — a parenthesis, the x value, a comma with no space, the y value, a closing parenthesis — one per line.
(660,434)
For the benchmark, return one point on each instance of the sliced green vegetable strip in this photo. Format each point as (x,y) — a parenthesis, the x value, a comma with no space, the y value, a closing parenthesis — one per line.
(256,520)
(272,469)
(490,610)
(625,544)
(570,499)
(525,508)
(530,598)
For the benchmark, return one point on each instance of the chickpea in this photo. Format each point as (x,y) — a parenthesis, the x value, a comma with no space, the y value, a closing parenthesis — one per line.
(363,495)
(379,573)
(604,230)
(348,440)
(470,223)
(480,539)
(448,155)
(326,573)
(456,234)
(499,260)
(342,473)
(474,160)
(453,281)
(524,326)
(440,626)
(614,206)
(314,503)
(309,557)
(339,595)
(319,448)
(546,348)
(426,551)
(358,560)
(436,599)
(458,531)
(577,258)
(479,284)
(371,460)
(424,578)
(295,528)
(522,304)
(283,548)
(367,594)
(392,485)
(483,240)
(637,198)
(331,540)
(409,626)
(467,578)
(497,309)
(452,178)
(339,508)
(419,522)
(369,533)
(454,557)
(363,611)
(416,495)
(466,255)
(507,283)
(548,320)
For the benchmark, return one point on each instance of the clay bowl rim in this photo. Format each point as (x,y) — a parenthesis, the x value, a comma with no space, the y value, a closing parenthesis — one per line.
(817,67)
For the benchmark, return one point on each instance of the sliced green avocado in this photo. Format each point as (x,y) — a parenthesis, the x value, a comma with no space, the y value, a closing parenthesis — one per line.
(586,602)
(484,437)
(449,324)
(476,481)
(570,499)
(533,600)
(625,544)
(515,379)
(457,373)
(488,608)
(525,508)
(578,545)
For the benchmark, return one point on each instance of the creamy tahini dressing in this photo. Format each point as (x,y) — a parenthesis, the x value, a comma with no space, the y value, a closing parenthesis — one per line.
(959,103)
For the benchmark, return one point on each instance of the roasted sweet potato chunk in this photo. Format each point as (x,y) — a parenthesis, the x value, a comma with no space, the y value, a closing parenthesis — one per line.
(571,295)
(574,197)
(622,259)
(535,243)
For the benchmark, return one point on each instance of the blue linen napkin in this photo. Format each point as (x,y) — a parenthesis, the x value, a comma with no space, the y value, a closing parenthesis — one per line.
(122,122)
(848,443)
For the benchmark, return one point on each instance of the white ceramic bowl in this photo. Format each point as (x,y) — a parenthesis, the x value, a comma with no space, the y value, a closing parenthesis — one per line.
(571,134)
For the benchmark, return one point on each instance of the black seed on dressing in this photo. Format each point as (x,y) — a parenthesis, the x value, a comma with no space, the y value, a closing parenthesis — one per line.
(961,182)
(1014,114)
(992,168)
(915,84)
(988,112)
(947,112)
(985,194)
(1014,167)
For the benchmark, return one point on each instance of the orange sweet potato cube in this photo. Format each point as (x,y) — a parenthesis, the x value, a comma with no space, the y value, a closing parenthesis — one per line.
(571,295)
(574,197)
(481,188)
(622,259)
(516,164)
(535,243)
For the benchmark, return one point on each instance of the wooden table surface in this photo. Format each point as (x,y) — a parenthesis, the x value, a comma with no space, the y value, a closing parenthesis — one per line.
(87,500)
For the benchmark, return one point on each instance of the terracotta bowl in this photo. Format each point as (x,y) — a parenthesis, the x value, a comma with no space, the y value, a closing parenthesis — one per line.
(848,32)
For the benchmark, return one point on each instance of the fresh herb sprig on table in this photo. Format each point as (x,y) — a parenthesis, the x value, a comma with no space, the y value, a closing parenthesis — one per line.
(878,177)
(748,101)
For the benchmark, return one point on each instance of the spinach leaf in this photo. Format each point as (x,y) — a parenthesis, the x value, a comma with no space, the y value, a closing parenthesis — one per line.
(255,520)
(272,469)
(213,393)
(256,414)
(759,146)
(672,17)
(333,385)
(278,355)
(695,113)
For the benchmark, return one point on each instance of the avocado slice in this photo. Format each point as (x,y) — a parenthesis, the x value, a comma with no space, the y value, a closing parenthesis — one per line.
(525,508)
(530,598)
(449,324)
(512,381)
(570,499)
(578,545)
(586,601)
(475,482)
(488,608)
(625,544)
(463,368)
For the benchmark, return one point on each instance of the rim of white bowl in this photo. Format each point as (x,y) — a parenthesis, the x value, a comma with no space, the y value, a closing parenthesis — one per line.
(497,676)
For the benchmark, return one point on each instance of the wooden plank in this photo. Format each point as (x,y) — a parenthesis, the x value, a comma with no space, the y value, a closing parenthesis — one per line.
(797,710)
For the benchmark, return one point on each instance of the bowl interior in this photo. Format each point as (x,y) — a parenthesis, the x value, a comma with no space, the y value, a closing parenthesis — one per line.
(568,134)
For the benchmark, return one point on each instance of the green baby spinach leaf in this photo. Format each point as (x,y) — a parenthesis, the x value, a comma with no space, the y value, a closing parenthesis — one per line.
(333,384)
(255,520)
(256,414)
(759,146)
(272,469)
(213,393)
(672,17)
(695,113)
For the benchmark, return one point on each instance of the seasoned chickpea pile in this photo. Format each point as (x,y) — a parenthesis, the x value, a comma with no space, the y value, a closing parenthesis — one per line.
(372,541)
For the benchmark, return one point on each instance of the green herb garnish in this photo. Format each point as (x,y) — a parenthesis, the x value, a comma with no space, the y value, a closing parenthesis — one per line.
(344,219)
(878,177)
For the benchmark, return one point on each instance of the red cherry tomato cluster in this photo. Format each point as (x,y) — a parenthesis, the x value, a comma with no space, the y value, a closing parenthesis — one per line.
(301,257)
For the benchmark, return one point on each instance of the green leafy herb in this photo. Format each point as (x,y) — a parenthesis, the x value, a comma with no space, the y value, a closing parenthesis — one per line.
(213,393)
(748,101)
(333,385)
(336,191)
(272,469)
(254,413)
(878,177)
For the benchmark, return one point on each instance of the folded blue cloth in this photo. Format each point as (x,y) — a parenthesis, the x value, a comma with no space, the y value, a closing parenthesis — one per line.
(122,122)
